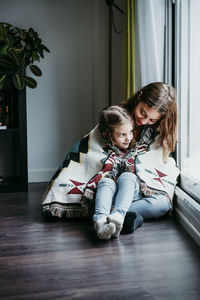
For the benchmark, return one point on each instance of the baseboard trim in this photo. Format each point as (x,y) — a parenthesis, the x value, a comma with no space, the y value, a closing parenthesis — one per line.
(193,232)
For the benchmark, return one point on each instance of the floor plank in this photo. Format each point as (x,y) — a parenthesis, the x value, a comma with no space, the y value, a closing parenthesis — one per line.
(63,259)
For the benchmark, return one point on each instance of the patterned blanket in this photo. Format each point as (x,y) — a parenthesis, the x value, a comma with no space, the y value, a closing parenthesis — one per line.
(64,195)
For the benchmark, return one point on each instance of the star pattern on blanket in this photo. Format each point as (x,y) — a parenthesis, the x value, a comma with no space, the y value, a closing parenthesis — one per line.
(76,189)
(160,175)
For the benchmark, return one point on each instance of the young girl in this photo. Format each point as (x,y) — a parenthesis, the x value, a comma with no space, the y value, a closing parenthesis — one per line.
(119,184)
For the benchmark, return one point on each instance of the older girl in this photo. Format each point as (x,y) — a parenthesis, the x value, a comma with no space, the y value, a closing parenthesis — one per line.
(154,110)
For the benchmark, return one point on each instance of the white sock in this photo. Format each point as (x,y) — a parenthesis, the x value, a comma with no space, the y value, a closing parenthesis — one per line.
(118,220)
(103,229)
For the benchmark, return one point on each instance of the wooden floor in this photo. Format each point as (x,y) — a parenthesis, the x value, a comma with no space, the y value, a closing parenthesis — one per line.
(41,259)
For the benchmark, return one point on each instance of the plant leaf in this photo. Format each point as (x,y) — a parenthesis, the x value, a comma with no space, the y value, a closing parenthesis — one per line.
(14,56)
(30,82)
(4,50)
(6,24)
(2,79)
(35,56)
(18,81)
(22,34)
(36,70)
(40,51)
(3,32)
(6,62)
(45,48)
(28,46)
(17,50)
(7,71)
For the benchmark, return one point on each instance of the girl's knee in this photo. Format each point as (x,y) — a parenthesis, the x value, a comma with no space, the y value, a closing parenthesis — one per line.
(106,182)
(160,206)
(151,207)
(128,176)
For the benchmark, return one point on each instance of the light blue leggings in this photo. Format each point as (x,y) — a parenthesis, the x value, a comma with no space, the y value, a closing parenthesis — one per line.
(124,195)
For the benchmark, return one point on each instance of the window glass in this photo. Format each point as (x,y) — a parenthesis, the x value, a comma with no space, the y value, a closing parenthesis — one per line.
(188,92)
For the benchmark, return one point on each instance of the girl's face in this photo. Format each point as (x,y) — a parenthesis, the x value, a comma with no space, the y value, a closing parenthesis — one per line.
(123,135)
(145,115)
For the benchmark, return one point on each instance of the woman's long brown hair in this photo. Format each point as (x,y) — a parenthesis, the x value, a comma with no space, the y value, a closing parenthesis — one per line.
(162,97)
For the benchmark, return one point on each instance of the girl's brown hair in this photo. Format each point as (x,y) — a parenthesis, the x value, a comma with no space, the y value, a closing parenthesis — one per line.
(111,117)
(162,97)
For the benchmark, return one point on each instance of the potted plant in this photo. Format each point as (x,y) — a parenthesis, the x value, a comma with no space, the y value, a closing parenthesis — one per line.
(19,49)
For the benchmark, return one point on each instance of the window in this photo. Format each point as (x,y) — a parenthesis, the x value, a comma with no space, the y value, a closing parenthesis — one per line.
(187,63)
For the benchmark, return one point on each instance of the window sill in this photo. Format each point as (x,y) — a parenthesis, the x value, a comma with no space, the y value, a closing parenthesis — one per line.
(190,185)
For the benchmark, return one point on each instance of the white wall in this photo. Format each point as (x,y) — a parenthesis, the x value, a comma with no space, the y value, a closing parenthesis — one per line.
(74,84)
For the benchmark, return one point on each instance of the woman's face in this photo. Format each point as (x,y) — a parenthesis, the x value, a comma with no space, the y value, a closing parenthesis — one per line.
(145,115)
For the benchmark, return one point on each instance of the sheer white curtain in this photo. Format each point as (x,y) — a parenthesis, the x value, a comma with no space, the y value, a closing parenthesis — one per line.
(151,41)
(188,92)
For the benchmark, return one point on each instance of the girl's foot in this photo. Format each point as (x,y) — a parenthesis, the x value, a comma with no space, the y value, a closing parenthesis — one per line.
(117,219)
(103,229)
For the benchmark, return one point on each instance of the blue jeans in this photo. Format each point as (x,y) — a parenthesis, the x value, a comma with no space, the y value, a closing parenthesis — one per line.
(118,196)
(124,195)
